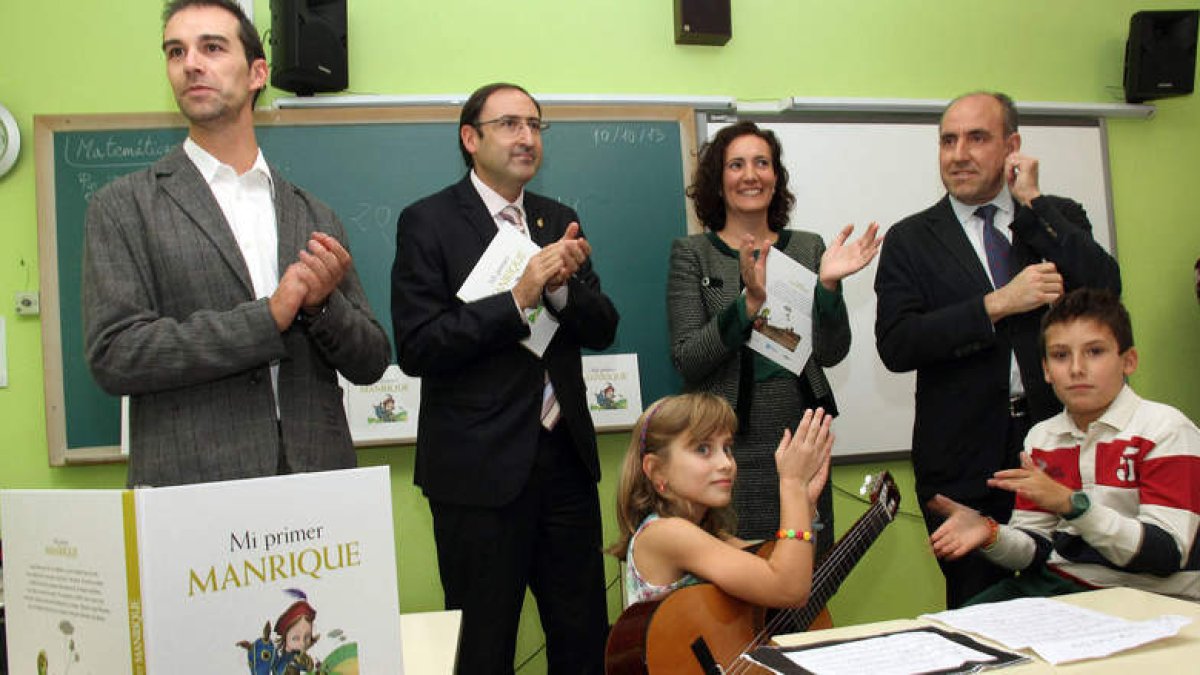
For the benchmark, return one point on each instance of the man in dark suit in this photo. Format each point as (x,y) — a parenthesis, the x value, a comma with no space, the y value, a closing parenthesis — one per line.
(961,290)
(506,451)
(196,303)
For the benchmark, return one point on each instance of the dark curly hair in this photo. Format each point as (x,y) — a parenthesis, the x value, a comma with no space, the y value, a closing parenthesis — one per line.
(705,190)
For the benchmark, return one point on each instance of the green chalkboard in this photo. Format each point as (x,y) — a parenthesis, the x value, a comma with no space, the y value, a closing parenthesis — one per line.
(622,169)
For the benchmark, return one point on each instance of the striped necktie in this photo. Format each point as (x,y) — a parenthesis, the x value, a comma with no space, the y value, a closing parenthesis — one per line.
(995,246)
(550,409)
(512,214)
(550,412)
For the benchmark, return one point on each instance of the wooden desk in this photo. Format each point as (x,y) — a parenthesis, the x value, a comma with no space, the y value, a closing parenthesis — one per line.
(429,642)
(1179,654)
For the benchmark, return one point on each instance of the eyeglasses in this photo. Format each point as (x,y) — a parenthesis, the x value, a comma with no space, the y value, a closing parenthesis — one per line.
(510,125)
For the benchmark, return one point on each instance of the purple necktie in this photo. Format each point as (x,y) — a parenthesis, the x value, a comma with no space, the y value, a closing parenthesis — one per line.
(995,246)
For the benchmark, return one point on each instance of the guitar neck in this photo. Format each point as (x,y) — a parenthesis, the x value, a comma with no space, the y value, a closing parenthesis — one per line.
(836,566)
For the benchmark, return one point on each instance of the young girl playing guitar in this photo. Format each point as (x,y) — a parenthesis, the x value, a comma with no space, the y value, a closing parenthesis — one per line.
(673,501)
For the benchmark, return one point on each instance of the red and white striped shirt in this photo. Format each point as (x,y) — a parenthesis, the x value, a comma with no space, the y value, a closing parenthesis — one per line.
(1139,464)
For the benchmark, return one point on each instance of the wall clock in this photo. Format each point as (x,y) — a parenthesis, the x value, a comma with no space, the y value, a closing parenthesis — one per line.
(10,140)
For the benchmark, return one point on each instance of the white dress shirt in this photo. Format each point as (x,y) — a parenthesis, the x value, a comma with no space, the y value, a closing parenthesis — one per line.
(248,203)
(973,227)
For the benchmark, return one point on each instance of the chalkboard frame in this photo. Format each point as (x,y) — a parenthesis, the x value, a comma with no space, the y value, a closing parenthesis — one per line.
(47,126)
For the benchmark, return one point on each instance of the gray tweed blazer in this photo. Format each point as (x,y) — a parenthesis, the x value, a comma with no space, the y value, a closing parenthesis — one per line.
(171,320)
(703,281)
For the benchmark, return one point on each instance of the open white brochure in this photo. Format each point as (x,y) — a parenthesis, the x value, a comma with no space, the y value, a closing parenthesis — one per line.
(1058,632)
(783,333)
(497,271)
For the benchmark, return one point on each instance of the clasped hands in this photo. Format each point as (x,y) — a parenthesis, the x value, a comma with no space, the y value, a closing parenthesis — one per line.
(966,529)
(550,267)
(307,283)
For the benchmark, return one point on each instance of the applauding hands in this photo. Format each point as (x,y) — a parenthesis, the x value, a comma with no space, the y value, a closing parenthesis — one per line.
(841,260)
(550,268)
(307,283)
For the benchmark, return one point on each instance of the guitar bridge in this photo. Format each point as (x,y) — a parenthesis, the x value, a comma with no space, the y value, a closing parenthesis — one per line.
(705,658)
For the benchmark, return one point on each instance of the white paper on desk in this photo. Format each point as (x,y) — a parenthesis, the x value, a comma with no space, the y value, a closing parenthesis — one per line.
(497,271)
(897,654)
(784,334)
(1106,642)
(1057,631)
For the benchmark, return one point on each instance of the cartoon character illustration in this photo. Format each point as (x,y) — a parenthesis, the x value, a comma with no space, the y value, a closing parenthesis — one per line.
(288,653)
(294,635)
(385,410)
(260,654)
(608,399)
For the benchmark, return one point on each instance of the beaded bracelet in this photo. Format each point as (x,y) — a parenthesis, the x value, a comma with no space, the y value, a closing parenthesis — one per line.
(802,535)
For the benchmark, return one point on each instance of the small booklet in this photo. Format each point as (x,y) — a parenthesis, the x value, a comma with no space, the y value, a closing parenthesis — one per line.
(614,390)
(497,271)
(783,331)
(384,412)
(921,650)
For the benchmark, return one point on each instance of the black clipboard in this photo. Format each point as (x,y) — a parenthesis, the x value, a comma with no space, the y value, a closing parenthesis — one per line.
(774,657)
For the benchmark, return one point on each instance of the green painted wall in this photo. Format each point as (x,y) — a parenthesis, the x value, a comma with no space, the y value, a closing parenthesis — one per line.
(102,57)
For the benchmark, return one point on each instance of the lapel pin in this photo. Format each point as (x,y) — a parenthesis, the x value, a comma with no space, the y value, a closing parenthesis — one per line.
(541,223)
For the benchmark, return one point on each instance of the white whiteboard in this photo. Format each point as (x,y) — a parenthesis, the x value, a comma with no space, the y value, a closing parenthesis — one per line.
(856,172)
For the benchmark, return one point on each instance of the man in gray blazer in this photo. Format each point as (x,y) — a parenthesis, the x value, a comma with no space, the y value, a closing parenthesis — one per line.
(217,295)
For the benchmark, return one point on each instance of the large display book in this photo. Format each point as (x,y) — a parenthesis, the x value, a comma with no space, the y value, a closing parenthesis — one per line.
(290,574)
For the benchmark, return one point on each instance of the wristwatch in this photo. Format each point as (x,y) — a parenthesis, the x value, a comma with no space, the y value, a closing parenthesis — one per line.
(1079,505)
(305,319)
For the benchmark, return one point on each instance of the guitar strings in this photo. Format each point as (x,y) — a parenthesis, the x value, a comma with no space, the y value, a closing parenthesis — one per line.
(833,565)
(875,515)
(841,565)
(855,547)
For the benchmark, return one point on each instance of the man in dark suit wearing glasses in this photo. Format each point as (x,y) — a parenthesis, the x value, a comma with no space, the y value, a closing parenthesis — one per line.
(506,450)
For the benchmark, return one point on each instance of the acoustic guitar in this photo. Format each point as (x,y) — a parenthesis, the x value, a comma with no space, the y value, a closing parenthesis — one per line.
(700,630)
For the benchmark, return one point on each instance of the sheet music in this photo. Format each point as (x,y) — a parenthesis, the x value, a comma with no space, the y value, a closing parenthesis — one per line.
(895,654)
(1057,631)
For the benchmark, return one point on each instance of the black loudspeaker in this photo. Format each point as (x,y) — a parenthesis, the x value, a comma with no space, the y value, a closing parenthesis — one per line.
(702,22)
(308,46)
(1160,54)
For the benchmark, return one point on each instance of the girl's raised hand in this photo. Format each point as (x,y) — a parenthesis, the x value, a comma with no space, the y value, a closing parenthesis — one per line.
(804,456)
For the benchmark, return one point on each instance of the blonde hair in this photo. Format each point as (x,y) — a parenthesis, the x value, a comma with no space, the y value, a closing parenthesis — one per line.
(696,416)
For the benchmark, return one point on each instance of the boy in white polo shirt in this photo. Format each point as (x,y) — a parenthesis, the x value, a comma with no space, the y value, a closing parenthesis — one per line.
(1108,492)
